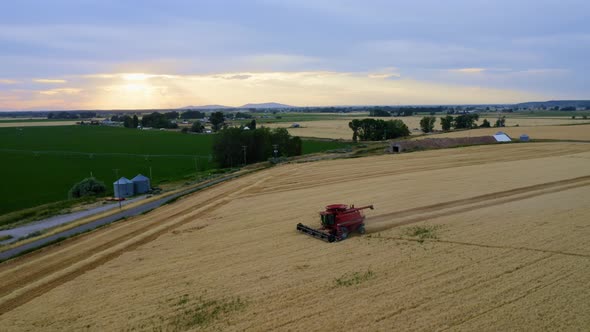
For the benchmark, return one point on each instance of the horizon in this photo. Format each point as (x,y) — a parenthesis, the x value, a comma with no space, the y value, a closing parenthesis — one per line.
(108,55)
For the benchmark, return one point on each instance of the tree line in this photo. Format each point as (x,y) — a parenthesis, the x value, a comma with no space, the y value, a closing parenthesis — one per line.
(463,121)
(236,146)
(377,129)
(71,115)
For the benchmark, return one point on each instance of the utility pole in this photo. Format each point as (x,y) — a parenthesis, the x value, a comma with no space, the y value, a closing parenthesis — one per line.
(196,167)
(244,147)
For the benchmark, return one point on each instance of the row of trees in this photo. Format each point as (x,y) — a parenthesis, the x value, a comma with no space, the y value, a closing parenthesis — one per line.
(376,130)
(157,120)
(234,146)
(71,115)
(128,122)
(464,121)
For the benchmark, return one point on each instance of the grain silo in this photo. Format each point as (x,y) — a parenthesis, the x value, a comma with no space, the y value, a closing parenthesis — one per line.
(141,184)
(123,188)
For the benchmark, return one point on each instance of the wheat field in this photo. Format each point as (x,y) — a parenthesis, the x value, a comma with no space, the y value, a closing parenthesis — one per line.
(549,128)
(478,238)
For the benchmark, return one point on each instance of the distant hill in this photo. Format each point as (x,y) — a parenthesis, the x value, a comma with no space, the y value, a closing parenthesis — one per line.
(266,105)
(205,107)
(553,103)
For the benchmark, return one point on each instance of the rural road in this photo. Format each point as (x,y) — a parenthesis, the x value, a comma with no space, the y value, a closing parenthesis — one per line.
(41,225)
(108,219)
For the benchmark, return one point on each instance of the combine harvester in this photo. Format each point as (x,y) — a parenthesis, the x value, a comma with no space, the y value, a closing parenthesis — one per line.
(338,221)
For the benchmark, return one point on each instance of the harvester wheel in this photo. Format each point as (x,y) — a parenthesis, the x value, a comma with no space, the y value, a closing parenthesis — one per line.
(344,231)
(362,229)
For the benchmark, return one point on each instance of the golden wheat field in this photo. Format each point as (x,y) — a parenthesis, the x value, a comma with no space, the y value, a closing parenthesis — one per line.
(338,129)
(577,132)
(480,238)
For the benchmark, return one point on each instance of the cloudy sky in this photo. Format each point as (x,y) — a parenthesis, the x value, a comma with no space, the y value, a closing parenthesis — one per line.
(105,54)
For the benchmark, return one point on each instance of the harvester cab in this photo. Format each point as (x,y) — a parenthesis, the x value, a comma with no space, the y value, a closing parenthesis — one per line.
(338,221)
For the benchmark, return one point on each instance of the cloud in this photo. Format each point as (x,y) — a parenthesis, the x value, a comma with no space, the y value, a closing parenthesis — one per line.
(237,77)
(469,70)
(306,88)
(49,81)
(66,91)
(7,81)
(385,73)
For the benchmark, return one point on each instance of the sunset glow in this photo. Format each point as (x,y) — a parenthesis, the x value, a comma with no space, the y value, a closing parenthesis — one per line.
(352,53)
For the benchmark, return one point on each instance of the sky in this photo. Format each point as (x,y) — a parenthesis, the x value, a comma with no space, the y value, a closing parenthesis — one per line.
(117,54)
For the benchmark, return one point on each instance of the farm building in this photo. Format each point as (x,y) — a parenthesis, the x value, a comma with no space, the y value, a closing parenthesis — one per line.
(141,184)
(123,188)
(502,137)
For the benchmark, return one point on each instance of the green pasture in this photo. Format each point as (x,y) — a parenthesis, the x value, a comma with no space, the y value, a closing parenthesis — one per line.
(40,164)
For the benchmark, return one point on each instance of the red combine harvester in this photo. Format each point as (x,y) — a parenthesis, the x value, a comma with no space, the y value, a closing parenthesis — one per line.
(338,221)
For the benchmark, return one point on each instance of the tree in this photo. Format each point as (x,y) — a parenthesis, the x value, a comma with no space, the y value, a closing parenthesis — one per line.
(485,124)
(217,120)
(87,187)
(193,115)
(466,121)
(354,125)
(197,127)
(376,130)
(228,145)
(378,112)
(135,121)
(127,121)
(240,115)
(427,124)
(172,115)
(446,122)
(157,120)
(252,124)
(501,122)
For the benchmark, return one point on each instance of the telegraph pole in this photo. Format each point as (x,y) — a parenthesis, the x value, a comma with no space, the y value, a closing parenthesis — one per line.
(244,147)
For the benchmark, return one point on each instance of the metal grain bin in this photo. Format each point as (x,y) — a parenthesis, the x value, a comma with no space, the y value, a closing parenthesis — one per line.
(123,188)
(141,184)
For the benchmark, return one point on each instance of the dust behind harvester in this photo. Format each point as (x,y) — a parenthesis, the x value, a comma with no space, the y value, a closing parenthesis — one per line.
(338,221)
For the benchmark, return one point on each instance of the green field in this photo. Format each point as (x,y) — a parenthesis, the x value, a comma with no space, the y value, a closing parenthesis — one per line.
(40,164)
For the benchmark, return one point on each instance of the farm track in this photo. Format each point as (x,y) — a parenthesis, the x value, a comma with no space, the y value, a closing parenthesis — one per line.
(453,207)
(459,206)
